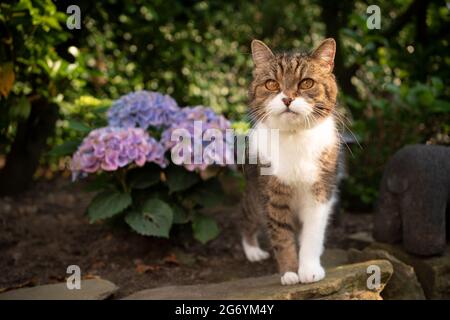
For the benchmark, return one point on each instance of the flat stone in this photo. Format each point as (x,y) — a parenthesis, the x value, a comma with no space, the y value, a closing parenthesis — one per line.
(403,284)
(343,282)
(433,273)
(92,289)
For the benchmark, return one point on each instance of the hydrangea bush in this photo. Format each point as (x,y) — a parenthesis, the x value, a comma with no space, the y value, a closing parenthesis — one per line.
(130,165)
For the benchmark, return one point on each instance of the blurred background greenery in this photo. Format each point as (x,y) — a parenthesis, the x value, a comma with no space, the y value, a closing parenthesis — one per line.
(56,83)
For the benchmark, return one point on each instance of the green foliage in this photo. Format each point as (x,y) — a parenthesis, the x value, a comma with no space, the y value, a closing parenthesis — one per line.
(150,202)
(154,219)
(30,67)
(207,194)
(107,204)
(142,179)
(402,85)
(179,179)
(180,216)
(64,149)
(204,228)
(401,114)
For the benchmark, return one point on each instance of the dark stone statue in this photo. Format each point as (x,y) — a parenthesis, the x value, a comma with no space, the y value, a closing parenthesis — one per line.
(413,205)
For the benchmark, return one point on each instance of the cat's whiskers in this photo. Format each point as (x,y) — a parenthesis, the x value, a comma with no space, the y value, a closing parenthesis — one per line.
(341,118)
(309,119)
(340,134)
(255,114)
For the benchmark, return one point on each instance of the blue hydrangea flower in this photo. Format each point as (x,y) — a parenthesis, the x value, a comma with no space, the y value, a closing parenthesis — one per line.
(143,109)
(185,119)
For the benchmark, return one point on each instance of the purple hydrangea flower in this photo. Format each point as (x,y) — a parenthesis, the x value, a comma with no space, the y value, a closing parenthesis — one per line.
(185,119)
(143,109)
(110,148)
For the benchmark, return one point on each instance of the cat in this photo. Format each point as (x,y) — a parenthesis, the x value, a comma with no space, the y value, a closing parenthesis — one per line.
(295,93)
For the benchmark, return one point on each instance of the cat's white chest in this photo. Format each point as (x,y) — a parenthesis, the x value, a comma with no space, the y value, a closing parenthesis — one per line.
(294,158)
(297,161)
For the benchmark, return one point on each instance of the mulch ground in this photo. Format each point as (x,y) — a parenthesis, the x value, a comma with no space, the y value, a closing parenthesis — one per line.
(45,230)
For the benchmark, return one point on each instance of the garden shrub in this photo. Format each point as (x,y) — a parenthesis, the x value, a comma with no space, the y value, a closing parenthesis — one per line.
(135,176)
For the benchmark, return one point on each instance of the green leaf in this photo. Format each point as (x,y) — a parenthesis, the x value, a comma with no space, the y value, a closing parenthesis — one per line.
(208,194)
(99,182)
(154,219)
(142,178)
(78,126)
(108,204)
(179,214)
(440,106)
(65,149)
(21,108)
(205,228)
(101,110)
(179,179)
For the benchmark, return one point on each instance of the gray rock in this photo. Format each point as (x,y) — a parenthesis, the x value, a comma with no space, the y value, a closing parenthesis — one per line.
(403,284)
(92,289)
(433,272)
(359,240)
(344,282)
(414,193)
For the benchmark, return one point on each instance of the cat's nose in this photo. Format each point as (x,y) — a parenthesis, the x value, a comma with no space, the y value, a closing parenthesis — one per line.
(287,101)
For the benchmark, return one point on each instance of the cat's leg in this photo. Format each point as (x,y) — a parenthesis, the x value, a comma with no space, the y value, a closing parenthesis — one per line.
(282,236)
(250,227)
(282,233)
(314,217)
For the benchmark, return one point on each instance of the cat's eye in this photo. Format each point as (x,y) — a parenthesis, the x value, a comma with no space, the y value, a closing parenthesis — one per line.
(306,83)
(272,85)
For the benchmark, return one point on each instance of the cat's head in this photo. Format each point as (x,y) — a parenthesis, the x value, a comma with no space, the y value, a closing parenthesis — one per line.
(293,90)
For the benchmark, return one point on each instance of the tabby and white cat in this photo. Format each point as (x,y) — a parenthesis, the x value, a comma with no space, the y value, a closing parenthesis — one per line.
(295,93)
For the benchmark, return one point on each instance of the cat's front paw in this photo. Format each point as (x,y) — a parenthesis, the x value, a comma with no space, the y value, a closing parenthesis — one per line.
(289,278)
(311,273)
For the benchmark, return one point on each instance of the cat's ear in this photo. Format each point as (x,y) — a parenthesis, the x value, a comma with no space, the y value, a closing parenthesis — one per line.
(260,52)
(326,51)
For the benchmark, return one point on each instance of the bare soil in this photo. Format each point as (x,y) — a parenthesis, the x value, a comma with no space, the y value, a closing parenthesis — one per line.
(45,230)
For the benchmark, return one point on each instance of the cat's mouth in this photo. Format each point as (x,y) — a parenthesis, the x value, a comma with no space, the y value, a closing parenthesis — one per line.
(287,110)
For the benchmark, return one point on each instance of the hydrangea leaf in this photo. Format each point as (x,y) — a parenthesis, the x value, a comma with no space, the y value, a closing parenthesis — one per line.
(107,204)
(141,179)
(208,194)
(179,179)
(205,228)
(179,215)
(154,219)
(100,182)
